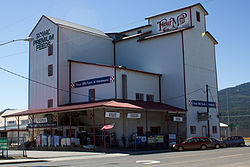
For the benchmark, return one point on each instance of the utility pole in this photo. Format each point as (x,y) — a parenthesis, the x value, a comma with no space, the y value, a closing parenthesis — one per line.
(228,118)
(208,126)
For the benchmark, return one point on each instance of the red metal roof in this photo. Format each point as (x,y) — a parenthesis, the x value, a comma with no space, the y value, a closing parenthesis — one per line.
(119,104)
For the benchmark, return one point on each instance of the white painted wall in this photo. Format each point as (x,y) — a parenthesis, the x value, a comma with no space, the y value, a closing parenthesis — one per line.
(82,72)
(39,61)
(200,70)
(80,46)
(138,82)
(198,26)
(162,55)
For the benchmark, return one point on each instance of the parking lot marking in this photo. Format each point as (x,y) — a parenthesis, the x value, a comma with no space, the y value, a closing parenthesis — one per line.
(148,162)
(204,159)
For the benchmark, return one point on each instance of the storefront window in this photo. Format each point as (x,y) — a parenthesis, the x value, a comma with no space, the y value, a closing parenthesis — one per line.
(155,130)
(139,131)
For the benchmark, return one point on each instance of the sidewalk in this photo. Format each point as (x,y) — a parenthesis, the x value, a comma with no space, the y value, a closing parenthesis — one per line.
(45,156)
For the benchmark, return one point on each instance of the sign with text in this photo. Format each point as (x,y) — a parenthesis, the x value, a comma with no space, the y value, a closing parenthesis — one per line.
(197,103)
(202,116)
(173,22)
(43,125)
(43,39)
(112,115)
(95,81)
(11,123)
(3,144)
(178,119)
(41,120)
(134,115)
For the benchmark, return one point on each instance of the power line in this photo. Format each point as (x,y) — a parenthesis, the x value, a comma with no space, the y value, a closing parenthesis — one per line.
(53,87)
(14,54)
(63,90)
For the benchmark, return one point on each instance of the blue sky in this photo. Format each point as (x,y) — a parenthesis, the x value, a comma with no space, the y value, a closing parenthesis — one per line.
(228,21)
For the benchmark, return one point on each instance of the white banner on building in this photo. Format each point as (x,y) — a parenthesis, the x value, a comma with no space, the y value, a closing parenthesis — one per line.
(41,120)
(177,119)
(112,115)
(134,115)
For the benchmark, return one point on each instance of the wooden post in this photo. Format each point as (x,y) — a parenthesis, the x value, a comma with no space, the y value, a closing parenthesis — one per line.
(18,130)
(33,130)
(177,131)
(70,128)
(51,118)
(93,117)
(5,129)
(167,117)
(104,131)
(147,127)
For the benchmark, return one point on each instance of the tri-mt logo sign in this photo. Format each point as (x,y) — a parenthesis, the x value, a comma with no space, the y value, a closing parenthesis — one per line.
(173,23)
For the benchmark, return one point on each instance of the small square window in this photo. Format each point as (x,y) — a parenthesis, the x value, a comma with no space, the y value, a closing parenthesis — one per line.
(193,129)
(91,94)
(198,17)
(50,50)
(139,96)
(150,97)
(50,103)
(214,129)
(50,70)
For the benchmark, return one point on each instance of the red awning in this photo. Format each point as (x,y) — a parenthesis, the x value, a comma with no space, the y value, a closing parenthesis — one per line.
(109,104)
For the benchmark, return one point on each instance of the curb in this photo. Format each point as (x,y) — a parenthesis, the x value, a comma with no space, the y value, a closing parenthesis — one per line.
(22,161)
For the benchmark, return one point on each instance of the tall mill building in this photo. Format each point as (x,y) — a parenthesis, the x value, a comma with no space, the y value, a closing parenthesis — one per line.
(168,63)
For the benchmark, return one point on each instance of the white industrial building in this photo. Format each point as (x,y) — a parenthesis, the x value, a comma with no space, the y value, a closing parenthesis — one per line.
(158,71)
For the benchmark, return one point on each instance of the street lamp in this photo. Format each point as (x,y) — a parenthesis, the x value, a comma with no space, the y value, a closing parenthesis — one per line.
(15,40)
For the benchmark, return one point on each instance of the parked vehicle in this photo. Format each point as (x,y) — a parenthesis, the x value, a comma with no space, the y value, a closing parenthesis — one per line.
(234,141)
(193,143)
(218,143)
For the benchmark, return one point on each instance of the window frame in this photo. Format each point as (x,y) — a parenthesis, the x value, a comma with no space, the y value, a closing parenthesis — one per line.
(139,95)
(50,70)
(50,101)
(90,100)
(214,129)
(193,129)
(50,48)
(150,95)
(198,16)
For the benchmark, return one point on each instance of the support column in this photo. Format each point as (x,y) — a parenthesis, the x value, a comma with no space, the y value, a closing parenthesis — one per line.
(70,128)
(18,130)
(167,119)
(177,131)
(51,118)
(123,129)
(33,130)
(5,129)
(147,127)
(93,115)
(104,132)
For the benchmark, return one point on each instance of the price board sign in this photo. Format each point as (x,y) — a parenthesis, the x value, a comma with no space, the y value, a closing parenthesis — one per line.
(3,144)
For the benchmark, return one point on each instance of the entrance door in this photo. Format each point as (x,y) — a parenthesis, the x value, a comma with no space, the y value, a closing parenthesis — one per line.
(204,131)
